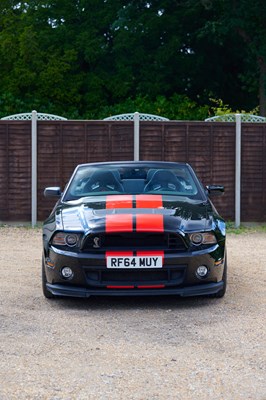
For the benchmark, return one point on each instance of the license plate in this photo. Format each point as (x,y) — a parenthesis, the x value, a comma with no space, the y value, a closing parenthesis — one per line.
(135,262)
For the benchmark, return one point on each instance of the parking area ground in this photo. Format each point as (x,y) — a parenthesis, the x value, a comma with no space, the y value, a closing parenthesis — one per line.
(131,348)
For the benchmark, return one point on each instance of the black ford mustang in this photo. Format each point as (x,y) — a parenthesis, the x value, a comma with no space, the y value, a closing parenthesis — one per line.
(134,228)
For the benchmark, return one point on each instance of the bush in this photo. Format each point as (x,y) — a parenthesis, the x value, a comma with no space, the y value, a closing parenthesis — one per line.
(177,107)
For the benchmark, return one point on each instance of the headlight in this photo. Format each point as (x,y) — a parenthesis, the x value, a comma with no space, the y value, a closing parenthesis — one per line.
(71,240)
(199,238)
(65,239)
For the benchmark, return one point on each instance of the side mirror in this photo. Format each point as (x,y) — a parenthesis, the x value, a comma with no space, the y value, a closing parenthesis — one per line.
(52,192)
(214,190)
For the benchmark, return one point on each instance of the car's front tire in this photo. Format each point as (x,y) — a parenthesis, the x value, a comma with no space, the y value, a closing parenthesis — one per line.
(45,291)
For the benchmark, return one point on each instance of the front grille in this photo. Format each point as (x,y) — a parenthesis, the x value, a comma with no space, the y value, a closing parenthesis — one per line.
(167,276)
(134,241)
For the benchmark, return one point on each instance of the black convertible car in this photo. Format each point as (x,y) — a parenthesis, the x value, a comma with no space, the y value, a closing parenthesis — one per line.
(134,228)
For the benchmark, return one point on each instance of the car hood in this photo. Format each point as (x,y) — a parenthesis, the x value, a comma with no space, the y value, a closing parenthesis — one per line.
(143,212)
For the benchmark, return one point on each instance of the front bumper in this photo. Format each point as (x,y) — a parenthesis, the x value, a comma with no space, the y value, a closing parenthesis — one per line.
(177,277)
(73,291)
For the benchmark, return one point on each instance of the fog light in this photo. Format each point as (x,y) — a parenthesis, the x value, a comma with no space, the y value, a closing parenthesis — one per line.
(202,271)
(67,273)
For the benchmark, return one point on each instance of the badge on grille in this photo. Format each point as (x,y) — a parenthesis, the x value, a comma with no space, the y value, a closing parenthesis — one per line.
(97,242)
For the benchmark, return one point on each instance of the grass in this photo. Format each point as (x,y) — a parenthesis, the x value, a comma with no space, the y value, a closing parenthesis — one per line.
(251,228)
(21,225)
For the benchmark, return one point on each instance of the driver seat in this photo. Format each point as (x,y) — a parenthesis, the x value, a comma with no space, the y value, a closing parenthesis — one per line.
(163,178)
(103,178)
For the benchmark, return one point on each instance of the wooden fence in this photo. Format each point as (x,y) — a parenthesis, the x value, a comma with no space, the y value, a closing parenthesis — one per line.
(208,146)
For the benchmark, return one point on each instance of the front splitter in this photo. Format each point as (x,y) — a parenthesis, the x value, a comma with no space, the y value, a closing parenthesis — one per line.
(74,291)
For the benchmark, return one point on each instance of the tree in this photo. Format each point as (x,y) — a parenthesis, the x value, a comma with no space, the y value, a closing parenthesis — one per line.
(79,58)
(240,26)
(204,49)
(54,55)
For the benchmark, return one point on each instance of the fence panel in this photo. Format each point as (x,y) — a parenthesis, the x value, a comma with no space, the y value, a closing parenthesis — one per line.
(62,145)
(4,175)
(208,147)
(15,170)
(253,182)
(223,167)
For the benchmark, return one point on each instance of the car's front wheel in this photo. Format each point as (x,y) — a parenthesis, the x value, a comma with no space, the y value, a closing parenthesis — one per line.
(45,291)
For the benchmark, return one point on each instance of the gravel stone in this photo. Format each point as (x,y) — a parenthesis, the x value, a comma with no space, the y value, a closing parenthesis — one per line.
(144,348)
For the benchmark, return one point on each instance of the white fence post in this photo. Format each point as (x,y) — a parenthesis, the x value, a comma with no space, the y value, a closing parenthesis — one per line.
(238,118)
(33,117)
(238,172)
(34,168)
(136,117)
(136,136)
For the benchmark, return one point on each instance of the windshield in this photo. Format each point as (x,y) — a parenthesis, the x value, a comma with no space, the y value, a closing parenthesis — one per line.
(95,180)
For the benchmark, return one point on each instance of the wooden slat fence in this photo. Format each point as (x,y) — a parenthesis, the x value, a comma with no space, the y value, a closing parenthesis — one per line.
(208,146)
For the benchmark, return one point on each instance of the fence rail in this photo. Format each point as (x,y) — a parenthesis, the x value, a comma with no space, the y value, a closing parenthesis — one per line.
(208,146)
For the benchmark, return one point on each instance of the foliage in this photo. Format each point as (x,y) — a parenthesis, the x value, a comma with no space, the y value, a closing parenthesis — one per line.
(177,107)
(219,108)
(93,58)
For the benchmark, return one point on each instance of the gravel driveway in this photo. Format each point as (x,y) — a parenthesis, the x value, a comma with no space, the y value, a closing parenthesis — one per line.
(131,348)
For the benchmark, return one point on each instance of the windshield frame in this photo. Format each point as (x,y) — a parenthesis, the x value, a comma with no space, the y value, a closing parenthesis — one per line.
(138,166)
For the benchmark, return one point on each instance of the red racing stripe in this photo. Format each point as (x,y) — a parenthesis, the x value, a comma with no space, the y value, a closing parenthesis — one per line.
(119,287)
(119,254)
(149,223)
(149,201)
(118,223)
(119,201)
(150,253)
(150,286)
